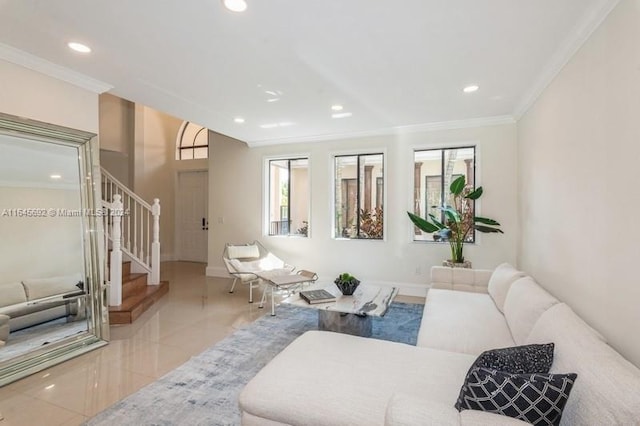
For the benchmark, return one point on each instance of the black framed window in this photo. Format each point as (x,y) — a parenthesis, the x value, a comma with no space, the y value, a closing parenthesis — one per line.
(193,142)
(359,196)
(434,170)
(288,210)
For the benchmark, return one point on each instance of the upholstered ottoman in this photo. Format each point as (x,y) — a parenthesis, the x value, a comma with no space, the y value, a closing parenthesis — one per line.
(4,329)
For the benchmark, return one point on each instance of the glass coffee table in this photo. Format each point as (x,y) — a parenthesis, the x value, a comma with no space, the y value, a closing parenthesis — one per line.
(349,314)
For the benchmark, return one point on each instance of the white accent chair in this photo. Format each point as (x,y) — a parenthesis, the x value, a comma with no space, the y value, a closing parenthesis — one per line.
(245,261)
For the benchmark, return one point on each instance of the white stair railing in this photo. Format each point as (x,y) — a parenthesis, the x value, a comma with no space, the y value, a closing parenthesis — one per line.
(133,227)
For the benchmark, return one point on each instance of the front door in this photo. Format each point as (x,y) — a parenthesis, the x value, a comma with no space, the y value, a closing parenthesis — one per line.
(191,216)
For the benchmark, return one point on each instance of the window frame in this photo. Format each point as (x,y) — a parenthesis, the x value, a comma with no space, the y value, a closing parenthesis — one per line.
(476,204)
(266,199)
(332,182)
(180,148)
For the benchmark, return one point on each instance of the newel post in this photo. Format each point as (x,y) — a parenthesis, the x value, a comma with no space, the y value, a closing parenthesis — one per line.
(115,259)
(155,244)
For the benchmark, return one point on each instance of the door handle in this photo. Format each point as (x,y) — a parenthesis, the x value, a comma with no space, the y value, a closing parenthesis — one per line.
(205,224)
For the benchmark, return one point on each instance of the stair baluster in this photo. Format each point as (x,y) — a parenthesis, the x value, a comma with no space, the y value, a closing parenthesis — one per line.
(134,212)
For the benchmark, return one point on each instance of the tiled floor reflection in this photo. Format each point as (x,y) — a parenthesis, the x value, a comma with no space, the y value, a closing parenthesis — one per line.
(197,312)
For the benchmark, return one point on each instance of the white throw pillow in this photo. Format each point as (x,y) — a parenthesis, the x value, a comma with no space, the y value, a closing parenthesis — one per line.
(525,303)
(500,283)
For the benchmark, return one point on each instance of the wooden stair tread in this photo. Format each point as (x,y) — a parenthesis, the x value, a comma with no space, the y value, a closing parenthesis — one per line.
(136,303)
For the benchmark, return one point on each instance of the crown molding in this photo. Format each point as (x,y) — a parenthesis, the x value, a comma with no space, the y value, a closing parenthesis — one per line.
(397,130)
(580,34)
(32,62)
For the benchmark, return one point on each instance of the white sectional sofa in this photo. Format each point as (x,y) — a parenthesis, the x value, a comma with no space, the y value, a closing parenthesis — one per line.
(325,378)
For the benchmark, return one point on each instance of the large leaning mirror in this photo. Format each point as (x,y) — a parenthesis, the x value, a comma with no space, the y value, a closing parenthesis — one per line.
(52,297)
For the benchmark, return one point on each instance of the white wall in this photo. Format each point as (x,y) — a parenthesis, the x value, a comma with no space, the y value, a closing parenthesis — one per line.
(579,156)
(155,171)
(116,137)
(27,93)
(236,198)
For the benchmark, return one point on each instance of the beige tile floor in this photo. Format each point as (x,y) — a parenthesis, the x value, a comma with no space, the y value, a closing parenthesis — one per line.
(197,312)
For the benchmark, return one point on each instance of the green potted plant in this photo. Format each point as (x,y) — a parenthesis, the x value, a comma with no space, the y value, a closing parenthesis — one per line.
(459,221)
(347,283)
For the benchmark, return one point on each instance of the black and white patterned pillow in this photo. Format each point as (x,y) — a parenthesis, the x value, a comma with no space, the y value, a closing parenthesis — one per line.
(535,398)
(536,358)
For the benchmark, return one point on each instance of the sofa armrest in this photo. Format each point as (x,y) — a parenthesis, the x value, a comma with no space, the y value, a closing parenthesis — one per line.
(460,279)
(409,410)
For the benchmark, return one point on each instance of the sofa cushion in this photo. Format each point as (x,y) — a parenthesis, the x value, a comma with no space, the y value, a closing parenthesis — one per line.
(482,418)
(12,294)
(413,410)
(46,287)
(607,391)
(461,279)
(351,378)
(408,410)
(524,304)
(500,282)
(463,322)
(535,398)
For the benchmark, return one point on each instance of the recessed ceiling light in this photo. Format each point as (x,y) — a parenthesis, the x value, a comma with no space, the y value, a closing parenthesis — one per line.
(336,107)
(238,120)
(56,176)
(79,47)
(341,115)
(471,89)
(235,5)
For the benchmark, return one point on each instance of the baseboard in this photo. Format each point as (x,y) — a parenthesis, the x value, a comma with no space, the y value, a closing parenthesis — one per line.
(216,271)
(168,257)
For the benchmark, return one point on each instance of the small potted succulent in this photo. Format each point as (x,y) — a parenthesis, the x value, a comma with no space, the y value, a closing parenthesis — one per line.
(347,283)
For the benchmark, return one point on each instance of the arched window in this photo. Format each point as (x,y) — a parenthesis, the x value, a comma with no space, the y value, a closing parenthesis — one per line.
(192,142)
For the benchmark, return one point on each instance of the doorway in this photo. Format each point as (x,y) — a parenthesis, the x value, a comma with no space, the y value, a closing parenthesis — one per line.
(192,215)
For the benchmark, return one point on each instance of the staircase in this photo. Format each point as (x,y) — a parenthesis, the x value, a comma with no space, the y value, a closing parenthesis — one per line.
(137,296)
(132,251)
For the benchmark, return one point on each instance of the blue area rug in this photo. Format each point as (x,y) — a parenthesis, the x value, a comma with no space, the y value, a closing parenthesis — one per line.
(205,389)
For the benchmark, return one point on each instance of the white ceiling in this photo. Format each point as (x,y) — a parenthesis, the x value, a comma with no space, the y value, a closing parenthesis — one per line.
(392,64)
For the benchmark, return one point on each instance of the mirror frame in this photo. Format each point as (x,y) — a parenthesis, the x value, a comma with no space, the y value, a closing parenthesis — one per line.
(97,333)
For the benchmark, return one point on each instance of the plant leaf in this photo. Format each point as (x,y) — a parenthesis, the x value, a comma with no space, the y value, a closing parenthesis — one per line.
(436,222)
(486,221)
(451,213)
(457,185)
(475,194)
(488,229)
(422,224)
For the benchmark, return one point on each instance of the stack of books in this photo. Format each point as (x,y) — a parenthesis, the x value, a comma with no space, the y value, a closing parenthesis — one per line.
(317,296)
